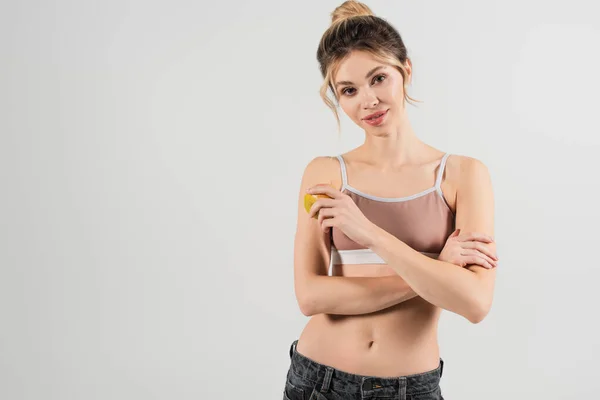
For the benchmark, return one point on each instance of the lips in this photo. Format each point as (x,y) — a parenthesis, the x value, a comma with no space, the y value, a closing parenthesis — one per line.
(375,114)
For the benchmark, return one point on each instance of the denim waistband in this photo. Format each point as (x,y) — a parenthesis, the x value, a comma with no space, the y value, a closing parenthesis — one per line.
(316,373)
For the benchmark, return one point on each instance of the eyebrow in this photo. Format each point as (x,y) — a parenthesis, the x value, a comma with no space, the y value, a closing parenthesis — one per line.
(371,72)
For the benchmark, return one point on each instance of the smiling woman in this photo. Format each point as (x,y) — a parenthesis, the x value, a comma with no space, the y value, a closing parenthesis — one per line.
(387,227)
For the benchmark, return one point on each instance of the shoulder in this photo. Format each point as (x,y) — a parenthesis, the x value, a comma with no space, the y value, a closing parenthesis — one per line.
(466,171)
(474,195)
(322,169)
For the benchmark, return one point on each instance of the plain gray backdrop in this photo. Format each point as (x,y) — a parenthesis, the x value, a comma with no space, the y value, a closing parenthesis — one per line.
(150,161)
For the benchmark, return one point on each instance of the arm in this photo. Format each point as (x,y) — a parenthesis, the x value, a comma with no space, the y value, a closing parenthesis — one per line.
(316,291)
(353,295)
(466,291)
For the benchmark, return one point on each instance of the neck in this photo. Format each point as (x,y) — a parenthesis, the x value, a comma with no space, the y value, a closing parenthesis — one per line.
(393,148)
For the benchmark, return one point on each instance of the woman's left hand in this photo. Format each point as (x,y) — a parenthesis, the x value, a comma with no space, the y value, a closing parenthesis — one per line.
(341,212)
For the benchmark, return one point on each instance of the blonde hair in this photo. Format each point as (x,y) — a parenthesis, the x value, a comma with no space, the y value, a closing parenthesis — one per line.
(354,27)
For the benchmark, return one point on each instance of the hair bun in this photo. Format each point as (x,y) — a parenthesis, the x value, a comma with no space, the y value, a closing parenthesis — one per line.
(349,9)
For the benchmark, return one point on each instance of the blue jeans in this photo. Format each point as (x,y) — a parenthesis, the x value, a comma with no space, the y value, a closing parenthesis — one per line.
(309,380)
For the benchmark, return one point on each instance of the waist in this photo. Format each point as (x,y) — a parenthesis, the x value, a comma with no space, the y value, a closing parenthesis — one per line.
(311,370)
(387,343)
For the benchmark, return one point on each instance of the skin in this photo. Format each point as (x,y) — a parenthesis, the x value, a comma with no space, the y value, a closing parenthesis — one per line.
(382,320)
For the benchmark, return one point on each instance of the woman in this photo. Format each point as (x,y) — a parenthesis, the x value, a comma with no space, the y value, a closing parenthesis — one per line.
(391,227)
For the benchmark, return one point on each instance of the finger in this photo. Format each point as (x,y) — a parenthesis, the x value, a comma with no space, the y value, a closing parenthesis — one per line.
(328,223)
(471,236)
(325,189)
(325,213)
(481,247)
(478,261)
(319,204)
(477,253)
(455,233)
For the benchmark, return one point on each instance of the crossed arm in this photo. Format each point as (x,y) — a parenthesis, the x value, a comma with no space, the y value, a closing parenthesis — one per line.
(465,290)
(354,295)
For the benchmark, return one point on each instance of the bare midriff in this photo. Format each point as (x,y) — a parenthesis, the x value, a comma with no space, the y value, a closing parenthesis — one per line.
(396,341)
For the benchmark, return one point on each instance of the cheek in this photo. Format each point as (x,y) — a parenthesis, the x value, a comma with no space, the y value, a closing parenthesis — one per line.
(395,89)
(351,108)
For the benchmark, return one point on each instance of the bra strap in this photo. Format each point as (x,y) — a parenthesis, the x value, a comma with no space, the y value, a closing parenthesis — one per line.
(438,180)
(343,167)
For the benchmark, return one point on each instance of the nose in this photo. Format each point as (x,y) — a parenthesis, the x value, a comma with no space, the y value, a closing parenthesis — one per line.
(369,99)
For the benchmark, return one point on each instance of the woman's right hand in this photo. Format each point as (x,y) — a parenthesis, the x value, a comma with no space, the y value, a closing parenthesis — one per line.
(469,248)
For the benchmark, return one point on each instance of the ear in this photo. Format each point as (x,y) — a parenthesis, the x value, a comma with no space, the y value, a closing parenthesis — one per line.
(408,66)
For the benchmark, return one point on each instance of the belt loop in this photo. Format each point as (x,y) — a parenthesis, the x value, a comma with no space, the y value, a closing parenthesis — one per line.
(441,367)
(292,348)
(327,379)
(402,383)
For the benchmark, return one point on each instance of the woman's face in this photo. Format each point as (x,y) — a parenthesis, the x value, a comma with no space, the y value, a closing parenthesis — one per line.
(365,86)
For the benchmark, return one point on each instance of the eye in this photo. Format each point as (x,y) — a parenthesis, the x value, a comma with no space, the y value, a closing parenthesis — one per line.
(380,76)
(345,90)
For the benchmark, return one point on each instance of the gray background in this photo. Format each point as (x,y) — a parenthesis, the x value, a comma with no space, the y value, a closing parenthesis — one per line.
(150,160)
